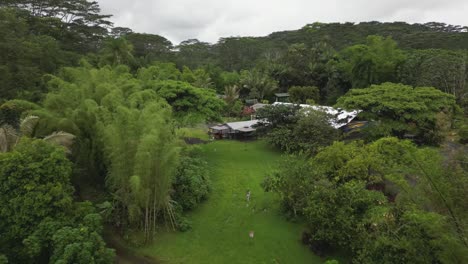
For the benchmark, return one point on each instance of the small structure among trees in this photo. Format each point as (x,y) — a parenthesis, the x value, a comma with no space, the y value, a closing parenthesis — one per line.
(282,97)
(242,129)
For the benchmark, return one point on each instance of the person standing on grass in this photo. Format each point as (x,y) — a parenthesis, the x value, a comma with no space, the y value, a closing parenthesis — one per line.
(248,196)
(251,235)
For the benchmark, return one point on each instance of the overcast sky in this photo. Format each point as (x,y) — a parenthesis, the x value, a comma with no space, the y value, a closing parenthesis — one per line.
(208,20)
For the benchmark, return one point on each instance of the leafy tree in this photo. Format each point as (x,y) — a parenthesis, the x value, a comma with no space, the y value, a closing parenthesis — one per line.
(292,186)
(277,116)
(198,78)
(463,134)
(442,69)
(35,184)
(118,32)
(236,53)
(192,181)
(75,239)
(190,103)
(387,201)
(305,65)
(373,63)
(293,130)
(231,94)
(117,51)
(402,109)
(300,94)
(340,215)
(411,236)
(258,83)
(9,136)
(312,131)
(125,130)
(194,54)
(35,189)
(159,71)
(25,58)
(150,47)
(80,22)
(80,245)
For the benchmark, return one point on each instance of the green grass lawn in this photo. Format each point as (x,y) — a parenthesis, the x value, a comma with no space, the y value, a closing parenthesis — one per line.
(221,225)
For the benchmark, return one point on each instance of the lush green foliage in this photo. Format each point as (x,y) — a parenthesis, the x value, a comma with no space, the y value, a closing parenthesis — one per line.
(26,57)
(124,127)
(383,202)
(221,225)
(190,104)
(463,134)
(192,180)
(401,109)
(35,188)
(259,84)
(373,63)
(300,94)
(78,24)
(296,130)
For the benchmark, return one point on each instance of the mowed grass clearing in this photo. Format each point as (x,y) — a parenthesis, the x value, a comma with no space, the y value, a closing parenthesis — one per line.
(221,225)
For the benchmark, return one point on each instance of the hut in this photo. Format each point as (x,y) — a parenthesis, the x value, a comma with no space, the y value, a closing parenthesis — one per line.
(242,129)
(282,97)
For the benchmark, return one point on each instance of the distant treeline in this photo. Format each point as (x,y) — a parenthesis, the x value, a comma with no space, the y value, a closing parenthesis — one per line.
(40,37)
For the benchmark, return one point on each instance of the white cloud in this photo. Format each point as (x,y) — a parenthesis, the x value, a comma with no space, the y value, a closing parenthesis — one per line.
(208,20)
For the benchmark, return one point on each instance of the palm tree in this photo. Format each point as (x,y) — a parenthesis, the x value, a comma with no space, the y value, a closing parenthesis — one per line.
(10,136)
(117,51)
(259,83)
(231,94)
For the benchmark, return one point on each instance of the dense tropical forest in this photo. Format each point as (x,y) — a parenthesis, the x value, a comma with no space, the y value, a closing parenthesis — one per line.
(104,152)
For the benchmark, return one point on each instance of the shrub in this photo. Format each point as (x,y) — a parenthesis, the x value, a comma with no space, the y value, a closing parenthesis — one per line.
(300,94)
(183,224)
(192,182)
(463,134)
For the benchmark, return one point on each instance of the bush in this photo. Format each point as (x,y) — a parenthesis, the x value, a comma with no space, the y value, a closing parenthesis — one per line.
(300,94)
(463,134)
(183,224)
(192,182)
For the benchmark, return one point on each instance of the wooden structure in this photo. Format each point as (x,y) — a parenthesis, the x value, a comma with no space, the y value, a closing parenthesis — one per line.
(242,129)
(282,97)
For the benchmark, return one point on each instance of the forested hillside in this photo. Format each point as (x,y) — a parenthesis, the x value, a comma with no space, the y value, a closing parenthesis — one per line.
(99,127)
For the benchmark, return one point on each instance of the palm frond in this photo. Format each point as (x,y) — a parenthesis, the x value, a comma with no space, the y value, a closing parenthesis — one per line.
(28,124)
(61,138)
(8,138)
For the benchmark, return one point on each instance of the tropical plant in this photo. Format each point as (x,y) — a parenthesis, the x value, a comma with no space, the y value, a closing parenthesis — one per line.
(231,94)
(9,136)
(401,109)
(117,51)
(258,83)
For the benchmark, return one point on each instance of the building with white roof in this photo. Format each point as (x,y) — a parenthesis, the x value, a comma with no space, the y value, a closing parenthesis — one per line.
(340,116)
(234,129)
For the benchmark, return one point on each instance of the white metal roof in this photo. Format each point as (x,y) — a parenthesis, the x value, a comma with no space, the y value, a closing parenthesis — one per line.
(244,126)
(219,127)
(341,117)
(258,106)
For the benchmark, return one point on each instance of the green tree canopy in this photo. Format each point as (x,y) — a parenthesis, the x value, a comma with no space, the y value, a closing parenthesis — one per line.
(300,94)
(36,190)
(401,109)
(374,62)
(386,201)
